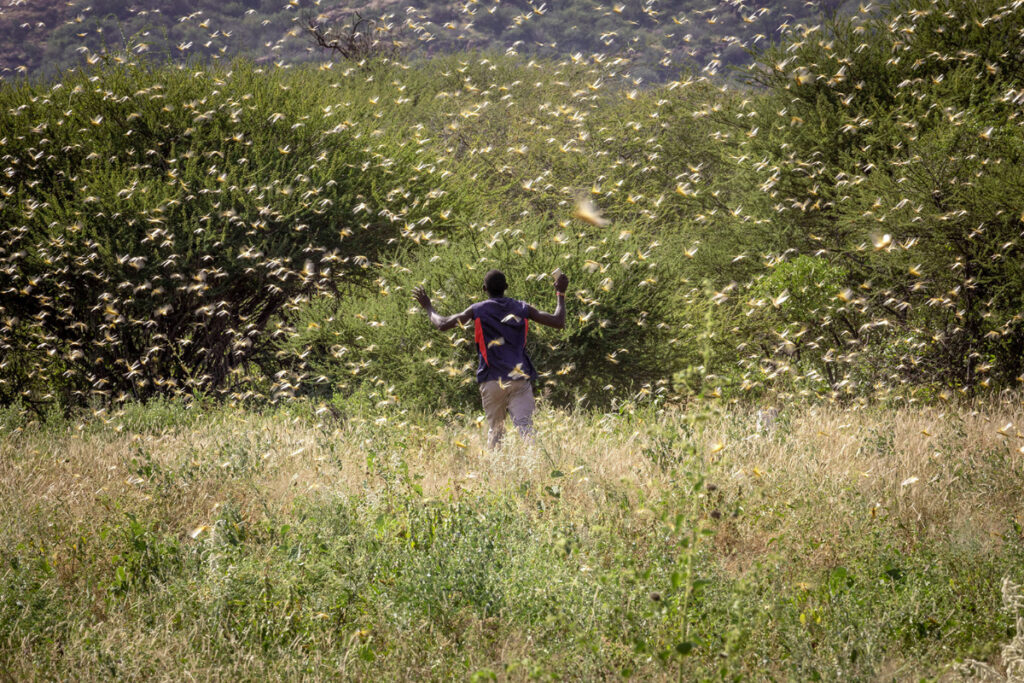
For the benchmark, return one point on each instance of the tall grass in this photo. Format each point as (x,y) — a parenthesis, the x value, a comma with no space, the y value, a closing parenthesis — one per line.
(171,541)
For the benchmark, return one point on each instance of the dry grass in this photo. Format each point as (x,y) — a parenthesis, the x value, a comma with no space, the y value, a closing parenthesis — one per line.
(923,468)
(805,486)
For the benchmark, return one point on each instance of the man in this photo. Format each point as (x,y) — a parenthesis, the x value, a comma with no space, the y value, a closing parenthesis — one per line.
(505,373)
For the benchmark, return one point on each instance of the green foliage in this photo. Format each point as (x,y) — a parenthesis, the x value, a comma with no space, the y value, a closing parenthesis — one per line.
(809,284)
(794,324)
(621,310)
(777,333)
(896,158)
(699,576)
(159,227)
(144,559)
(847,230)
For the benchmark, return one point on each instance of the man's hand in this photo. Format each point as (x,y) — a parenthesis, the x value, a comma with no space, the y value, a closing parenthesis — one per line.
(441,322)
(421,297)
(561,281)
(556,319)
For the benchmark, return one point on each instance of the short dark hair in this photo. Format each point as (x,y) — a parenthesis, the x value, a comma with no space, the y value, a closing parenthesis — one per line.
(495,283)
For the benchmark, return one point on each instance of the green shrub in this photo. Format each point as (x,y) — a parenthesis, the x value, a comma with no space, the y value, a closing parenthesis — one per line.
(168,215)
(620,316)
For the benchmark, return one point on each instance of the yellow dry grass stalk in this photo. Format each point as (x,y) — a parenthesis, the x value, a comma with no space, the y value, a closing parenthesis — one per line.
(923,469)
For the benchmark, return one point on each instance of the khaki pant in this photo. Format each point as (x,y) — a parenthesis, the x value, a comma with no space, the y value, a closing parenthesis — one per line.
(515,397)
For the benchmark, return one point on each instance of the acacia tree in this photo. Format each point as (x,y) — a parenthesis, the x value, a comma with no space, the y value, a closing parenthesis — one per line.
(156,221)
(356,38)
(896,154)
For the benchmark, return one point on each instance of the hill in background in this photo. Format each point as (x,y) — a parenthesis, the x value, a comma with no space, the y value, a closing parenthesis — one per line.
(659,39)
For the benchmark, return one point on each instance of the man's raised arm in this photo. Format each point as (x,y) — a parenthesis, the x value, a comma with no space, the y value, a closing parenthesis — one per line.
(556,319)
(441,322)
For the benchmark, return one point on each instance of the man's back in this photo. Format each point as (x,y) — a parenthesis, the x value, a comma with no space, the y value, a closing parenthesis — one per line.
(500,326)
(505,372)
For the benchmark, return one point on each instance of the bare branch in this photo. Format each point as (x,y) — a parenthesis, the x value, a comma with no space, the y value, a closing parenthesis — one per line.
(356,38)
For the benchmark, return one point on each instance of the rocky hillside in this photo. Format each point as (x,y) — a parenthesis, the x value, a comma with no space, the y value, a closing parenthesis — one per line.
(659,38)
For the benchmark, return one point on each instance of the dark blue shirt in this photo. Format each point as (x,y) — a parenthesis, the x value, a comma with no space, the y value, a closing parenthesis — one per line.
(500,327)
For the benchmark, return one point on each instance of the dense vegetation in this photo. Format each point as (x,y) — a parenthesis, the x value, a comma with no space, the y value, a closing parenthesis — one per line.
(172,541)
(848,230)
(232,447)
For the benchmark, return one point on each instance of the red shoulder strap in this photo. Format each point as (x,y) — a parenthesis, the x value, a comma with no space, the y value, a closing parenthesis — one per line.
(478,334)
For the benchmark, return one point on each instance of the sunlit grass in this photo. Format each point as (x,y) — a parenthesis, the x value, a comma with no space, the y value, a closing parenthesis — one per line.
(653,542)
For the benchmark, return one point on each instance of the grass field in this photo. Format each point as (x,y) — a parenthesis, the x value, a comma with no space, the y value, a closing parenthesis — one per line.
(175,543)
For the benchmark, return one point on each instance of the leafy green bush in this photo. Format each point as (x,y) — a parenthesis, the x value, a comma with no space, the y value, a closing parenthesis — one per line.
(792,325)
(252,232)
(895,152)
(159,219)
(620,316)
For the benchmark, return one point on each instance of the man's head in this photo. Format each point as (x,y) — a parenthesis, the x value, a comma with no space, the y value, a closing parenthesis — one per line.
(495,283)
